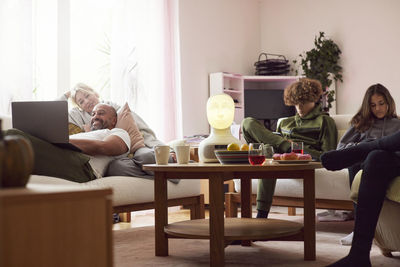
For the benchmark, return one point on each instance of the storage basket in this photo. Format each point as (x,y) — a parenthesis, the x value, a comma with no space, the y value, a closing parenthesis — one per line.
(277,65)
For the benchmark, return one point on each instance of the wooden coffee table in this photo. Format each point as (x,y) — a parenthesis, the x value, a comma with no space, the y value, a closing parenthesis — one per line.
(222,230)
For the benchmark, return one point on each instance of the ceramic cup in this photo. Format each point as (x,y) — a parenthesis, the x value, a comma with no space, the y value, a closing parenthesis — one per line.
(182,154)
(162,154)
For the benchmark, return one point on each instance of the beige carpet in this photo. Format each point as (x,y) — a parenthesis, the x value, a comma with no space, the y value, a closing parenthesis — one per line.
(135,247)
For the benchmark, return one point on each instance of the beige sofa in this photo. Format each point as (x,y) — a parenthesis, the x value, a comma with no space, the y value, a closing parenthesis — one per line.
(132,193)
(332,189)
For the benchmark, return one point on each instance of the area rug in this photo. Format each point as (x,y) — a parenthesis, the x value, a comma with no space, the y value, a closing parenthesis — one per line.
(135,247)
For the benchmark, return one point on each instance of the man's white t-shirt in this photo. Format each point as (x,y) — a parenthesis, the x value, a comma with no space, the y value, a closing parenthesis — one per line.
(100,163)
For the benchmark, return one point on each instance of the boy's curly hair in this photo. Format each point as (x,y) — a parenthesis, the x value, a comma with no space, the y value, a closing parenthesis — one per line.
(303,91)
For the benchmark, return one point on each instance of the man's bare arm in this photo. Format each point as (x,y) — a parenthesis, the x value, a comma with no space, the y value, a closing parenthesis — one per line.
(111,146)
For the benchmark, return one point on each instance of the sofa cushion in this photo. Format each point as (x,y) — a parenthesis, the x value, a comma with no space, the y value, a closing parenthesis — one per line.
(392,193)
(6,122)
(125,121)
(126,190)
(328,185)
(342,123)
(73,129)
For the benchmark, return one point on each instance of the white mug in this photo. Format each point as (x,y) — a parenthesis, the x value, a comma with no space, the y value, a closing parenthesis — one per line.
(182,154)
(162,154)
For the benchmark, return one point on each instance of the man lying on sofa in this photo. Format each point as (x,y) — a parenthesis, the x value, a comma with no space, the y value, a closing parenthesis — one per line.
(102,143)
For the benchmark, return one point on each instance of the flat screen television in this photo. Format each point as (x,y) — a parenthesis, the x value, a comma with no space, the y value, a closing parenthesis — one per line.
(266,104)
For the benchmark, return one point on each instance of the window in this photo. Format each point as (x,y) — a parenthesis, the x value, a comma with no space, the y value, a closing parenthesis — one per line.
(124,49)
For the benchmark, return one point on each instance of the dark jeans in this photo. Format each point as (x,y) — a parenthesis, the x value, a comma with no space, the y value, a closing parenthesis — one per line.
(51,160)
(379,169)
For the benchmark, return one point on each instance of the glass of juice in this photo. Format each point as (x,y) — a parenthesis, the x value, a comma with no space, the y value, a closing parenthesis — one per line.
(297,147)
(256,153)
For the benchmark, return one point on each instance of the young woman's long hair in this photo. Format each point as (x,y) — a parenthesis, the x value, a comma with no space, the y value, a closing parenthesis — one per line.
(364,118)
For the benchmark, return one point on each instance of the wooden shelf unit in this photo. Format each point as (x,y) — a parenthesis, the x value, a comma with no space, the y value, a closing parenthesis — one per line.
(235,84)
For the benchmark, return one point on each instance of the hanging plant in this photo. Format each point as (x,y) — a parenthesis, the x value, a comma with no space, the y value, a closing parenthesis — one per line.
(322,63)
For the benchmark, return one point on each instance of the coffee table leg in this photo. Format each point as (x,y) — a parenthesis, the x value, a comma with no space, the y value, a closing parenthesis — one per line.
(217,240)
(309,215)
(161,213)
(246,205)
(245,197)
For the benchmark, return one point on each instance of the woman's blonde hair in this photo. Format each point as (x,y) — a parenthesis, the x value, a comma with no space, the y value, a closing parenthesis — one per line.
(303,91)
(81,87)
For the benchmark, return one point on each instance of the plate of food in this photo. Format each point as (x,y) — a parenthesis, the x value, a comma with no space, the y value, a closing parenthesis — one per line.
(292,158)
(294,161)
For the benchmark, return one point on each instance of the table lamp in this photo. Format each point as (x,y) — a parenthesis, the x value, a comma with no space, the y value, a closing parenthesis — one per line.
(220,114)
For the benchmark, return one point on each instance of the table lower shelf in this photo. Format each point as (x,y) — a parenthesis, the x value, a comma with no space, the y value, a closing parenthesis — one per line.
(236,229)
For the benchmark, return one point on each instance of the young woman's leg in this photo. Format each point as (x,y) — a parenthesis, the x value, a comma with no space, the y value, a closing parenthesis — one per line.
(339,159)
(379,169)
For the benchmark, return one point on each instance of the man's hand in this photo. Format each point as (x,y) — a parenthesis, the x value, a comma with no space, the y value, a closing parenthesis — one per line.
(111,146)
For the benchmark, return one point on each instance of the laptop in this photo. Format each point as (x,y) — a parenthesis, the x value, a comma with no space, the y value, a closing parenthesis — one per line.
(47,120)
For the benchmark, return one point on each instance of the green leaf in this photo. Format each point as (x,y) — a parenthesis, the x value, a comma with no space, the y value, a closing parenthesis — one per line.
(321,61)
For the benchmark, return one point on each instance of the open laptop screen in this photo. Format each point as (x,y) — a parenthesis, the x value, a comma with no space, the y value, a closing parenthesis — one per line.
(47,120)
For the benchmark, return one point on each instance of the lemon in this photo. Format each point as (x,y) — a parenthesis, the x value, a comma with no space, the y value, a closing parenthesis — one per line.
(244,147)
(233,147)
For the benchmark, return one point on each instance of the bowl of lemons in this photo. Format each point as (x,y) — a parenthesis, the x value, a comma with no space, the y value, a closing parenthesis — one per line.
(234,154)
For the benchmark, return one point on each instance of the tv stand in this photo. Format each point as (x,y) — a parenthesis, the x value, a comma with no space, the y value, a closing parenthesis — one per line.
(235,85)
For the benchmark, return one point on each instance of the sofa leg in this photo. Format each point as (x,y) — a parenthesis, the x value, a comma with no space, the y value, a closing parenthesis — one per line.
(197,211)
(231,207)
(291,211)
(385,252)
(125,217)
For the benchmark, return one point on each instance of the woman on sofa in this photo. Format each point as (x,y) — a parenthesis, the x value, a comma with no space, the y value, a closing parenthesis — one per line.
(381,164)
(375,119)
(85,98)
(310,125)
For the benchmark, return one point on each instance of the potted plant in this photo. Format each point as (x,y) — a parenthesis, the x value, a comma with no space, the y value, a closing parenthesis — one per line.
(322,63)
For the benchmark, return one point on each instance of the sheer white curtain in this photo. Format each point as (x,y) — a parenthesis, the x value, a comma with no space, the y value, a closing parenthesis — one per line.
(16,52)
(143,60)
(28,51)
(48,46)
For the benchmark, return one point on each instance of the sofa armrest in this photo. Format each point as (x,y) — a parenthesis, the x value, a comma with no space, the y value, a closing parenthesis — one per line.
(392,193)
(6,122)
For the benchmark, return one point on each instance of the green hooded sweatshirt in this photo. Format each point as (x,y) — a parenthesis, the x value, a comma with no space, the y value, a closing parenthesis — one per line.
(316,130)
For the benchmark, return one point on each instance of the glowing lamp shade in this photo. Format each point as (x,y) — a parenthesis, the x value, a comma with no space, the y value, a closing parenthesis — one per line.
(220,111)
(220,114)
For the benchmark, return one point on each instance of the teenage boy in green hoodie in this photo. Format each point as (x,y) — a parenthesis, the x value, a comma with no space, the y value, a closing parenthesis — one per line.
(310,125)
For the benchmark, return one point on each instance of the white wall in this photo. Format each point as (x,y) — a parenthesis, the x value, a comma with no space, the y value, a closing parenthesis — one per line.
(215,35)
(367,31)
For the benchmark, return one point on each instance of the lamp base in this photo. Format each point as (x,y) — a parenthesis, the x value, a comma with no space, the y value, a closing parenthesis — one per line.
(213,142)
